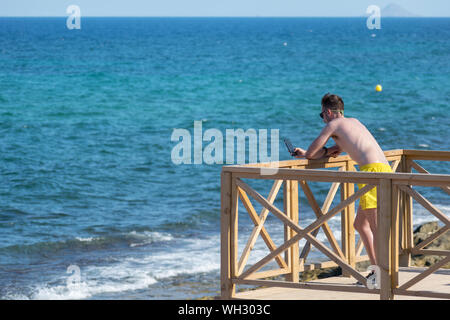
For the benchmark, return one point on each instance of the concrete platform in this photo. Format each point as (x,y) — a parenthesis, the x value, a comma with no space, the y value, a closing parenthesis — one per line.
(436,282)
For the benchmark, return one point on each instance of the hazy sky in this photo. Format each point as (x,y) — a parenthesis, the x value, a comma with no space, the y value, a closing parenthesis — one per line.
(250,8)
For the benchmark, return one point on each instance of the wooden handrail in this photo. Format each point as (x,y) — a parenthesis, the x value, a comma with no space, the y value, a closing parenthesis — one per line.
(394,219)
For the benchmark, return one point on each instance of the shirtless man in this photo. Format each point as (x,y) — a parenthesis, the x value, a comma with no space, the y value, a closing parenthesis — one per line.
(351,136)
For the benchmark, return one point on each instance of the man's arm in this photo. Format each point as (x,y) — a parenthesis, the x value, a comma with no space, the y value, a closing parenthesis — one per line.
(315,150)
(334,151)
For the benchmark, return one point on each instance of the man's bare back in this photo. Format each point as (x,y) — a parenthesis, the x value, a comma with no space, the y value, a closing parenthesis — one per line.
(352,136)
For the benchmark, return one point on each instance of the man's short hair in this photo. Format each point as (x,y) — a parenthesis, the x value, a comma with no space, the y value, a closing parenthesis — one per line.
(333,102)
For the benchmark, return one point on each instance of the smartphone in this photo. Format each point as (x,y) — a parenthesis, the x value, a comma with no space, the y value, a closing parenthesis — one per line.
(289,146)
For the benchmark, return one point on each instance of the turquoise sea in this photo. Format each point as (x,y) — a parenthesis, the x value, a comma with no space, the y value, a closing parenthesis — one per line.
(86,118)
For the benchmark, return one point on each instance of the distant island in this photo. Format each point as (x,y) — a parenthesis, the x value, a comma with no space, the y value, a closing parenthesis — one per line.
(394,10)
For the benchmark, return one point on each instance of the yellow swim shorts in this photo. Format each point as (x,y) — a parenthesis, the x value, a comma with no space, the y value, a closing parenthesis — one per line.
(369,200)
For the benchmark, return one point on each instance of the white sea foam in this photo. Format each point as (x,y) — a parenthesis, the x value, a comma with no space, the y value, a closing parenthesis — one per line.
(119,276)
(117,281)
(148,237)
(137,238)
(88,239)
(14,296)
(139,272)
(95,280)
(190,257)
(422,215)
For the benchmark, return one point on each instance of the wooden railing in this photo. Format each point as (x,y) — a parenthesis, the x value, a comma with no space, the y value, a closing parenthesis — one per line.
(394,238)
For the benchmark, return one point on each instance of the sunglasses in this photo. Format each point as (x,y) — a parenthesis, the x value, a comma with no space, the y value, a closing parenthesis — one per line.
(321,114)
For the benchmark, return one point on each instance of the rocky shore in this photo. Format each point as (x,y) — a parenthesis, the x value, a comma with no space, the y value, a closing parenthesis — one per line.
(441,243)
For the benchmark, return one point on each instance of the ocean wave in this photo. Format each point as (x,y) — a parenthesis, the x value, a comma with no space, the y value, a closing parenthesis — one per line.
(130,273)
(134,280)
(422,215)
(193,256)
(199,217)
(89,239)
(147,237)
(131,239)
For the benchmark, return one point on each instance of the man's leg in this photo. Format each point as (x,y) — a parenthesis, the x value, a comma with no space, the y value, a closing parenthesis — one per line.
(366,224)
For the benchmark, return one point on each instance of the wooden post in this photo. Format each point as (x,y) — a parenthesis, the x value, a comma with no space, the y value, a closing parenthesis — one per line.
(227,288)
(287,211)
(234,230)
(407,222)
(409,211)
(344,225)
(295,252)
(290,201)
(347,219)
(394,233)
(383,237)
(401,210)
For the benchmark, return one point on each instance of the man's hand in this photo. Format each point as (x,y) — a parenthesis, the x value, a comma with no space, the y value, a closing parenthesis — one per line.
(299,153)
(333,151)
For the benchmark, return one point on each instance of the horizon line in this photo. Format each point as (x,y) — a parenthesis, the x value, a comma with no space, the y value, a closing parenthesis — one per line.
(256,16)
